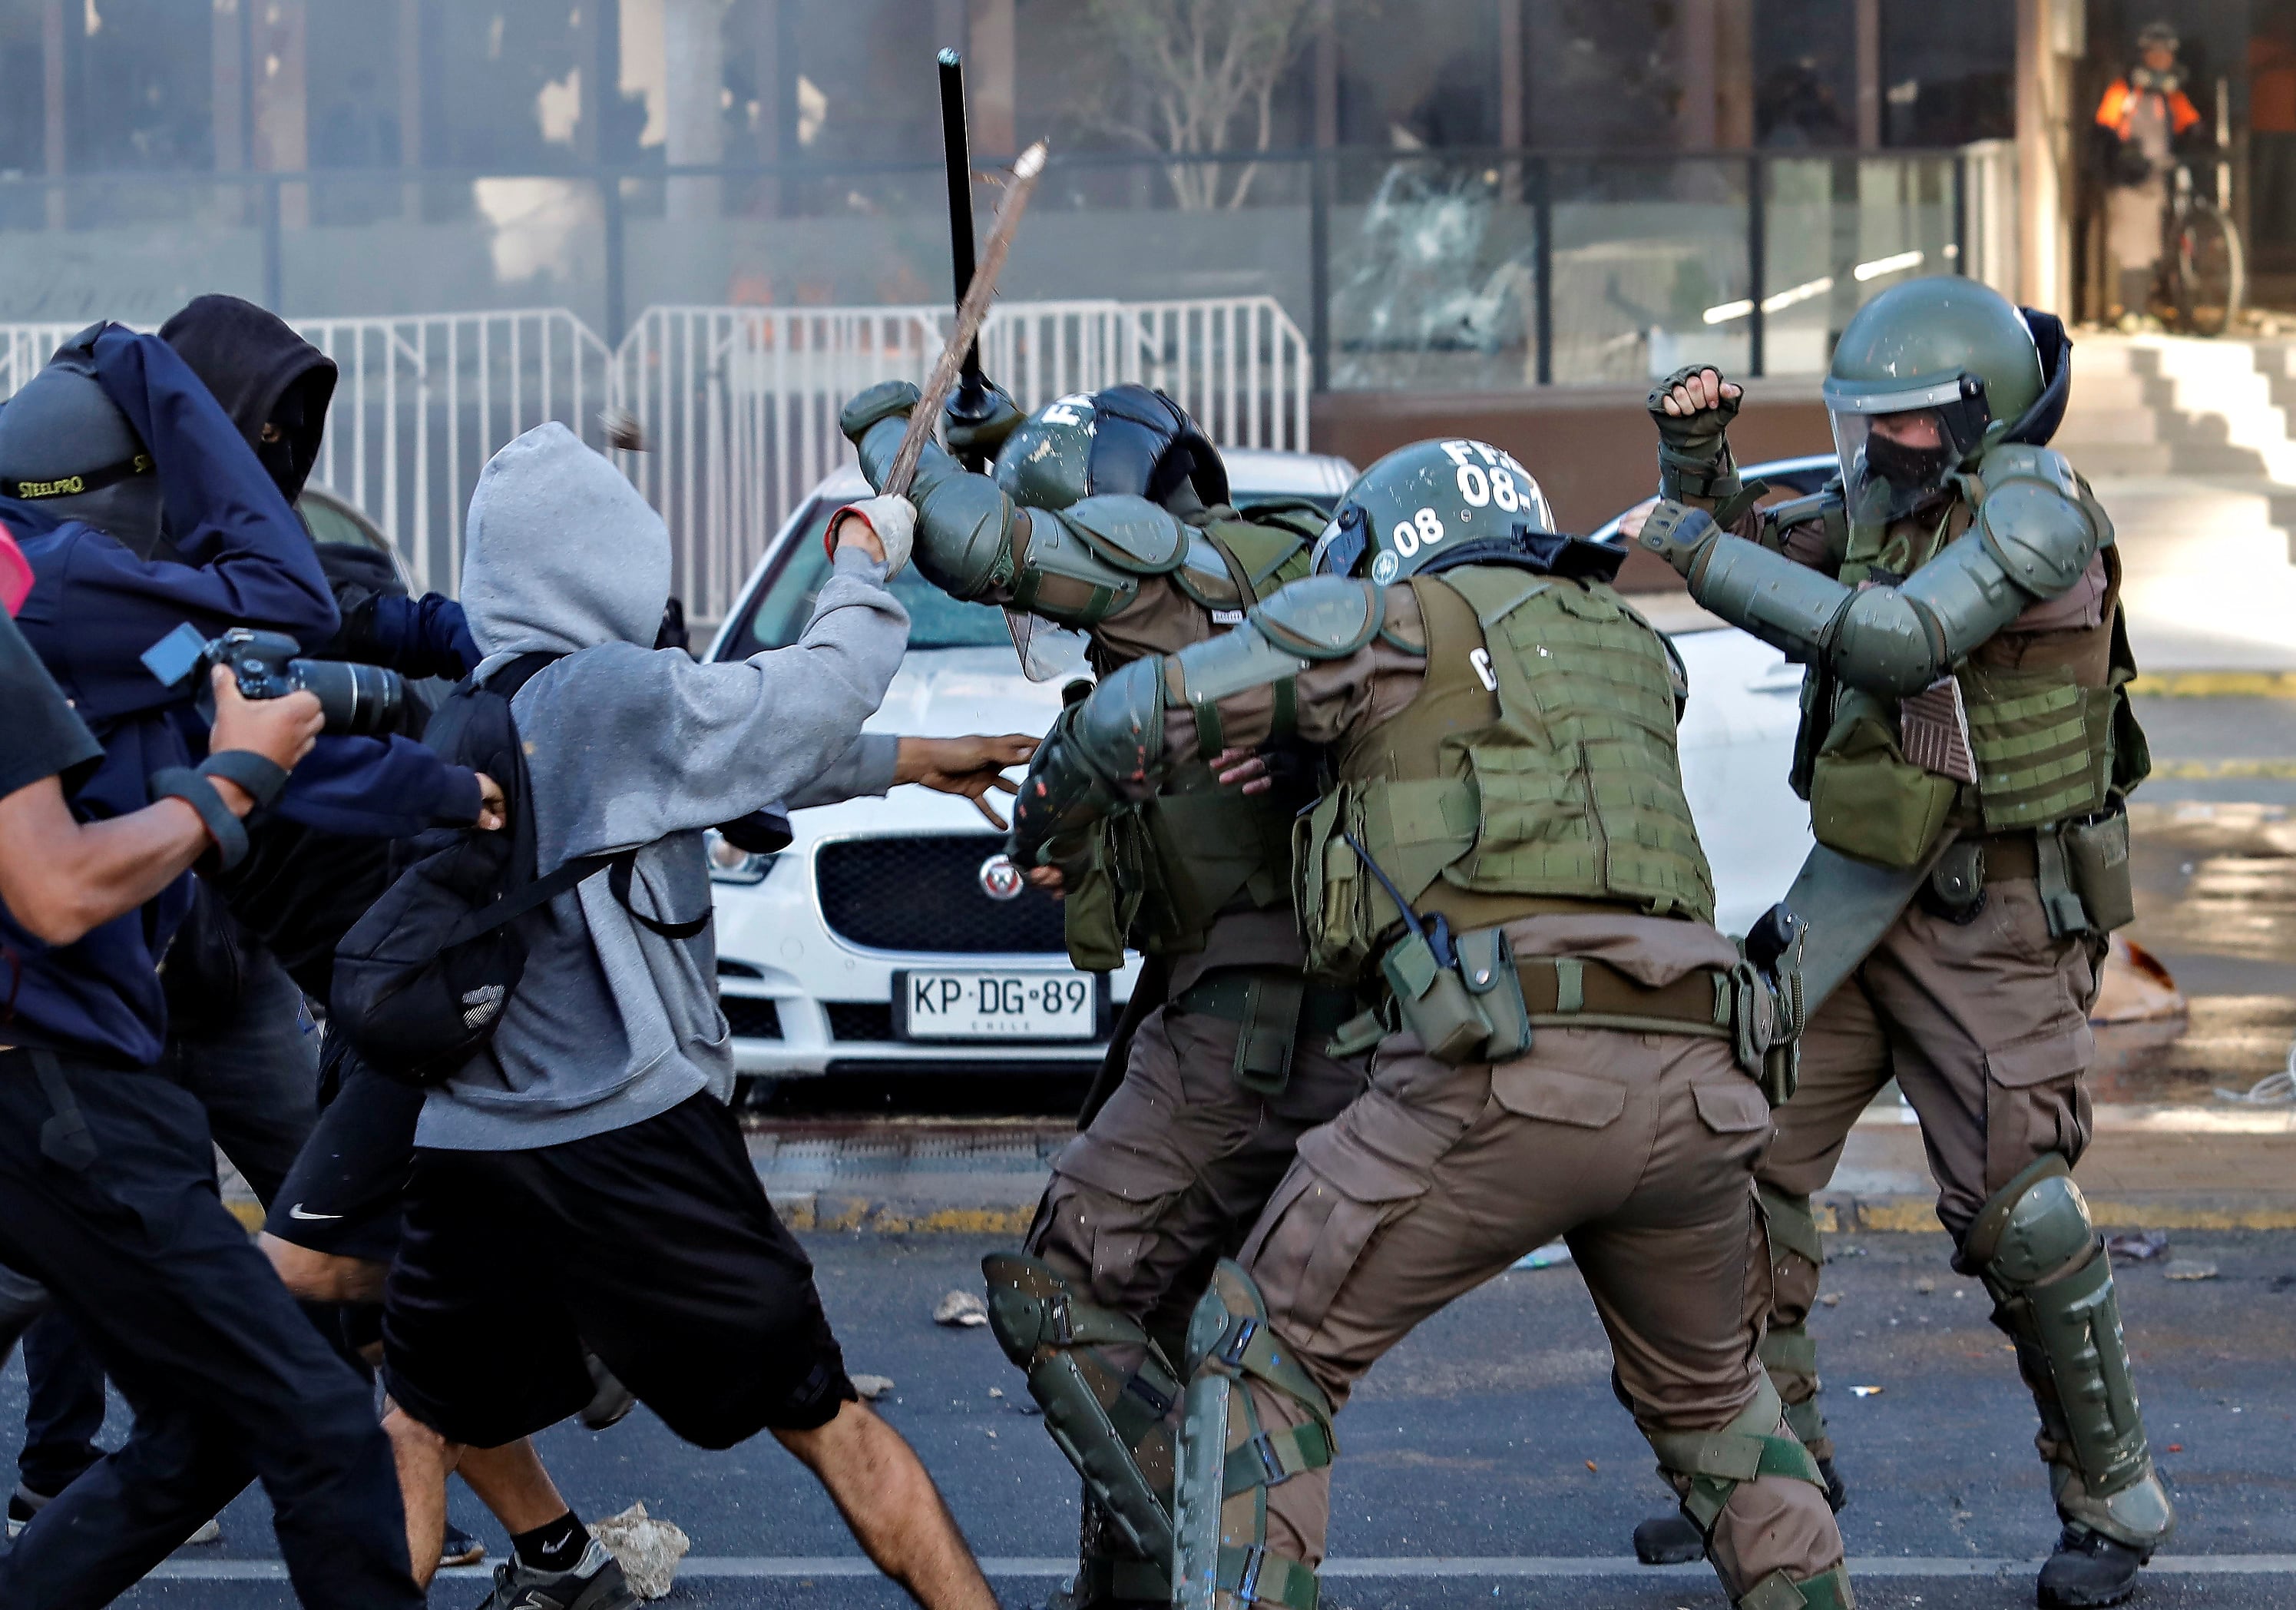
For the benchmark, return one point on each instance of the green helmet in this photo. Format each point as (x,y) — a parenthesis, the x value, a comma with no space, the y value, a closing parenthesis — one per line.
(1927,375)
(1420,502)
(1123,438)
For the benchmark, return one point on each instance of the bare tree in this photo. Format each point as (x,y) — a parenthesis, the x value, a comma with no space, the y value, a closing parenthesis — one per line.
(1207,66)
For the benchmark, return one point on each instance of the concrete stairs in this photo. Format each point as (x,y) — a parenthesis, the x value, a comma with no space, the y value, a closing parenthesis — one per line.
(2161,405)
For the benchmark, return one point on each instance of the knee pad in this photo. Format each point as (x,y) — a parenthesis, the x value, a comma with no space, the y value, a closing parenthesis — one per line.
(2034,1228)
(1109,1419)
(1228,1461)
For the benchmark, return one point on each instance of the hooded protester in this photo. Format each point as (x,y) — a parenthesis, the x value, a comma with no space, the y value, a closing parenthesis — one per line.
(590,1146)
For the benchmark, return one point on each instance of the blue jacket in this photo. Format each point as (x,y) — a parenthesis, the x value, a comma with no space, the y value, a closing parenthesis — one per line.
(243,558)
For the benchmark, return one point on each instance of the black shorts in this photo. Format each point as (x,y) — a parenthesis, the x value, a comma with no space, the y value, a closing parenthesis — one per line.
(343,1194)
(653,1244)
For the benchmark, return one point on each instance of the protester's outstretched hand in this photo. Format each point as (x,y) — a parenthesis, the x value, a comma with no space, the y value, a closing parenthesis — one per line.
(971,766)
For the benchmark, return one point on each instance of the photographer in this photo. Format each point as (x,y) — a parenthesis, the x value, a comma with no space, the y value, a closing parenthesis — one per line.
(107,1182)
(589,1147)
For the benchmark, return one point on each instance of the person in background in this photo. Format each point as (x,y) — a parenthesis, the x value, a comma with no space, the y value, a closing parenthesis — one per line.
(2143,123)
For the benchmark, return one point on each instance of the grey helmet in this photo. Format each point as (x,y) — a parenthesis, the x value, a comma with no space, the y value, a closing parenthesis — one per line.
(65,447)
(1121,439)
(1420,502)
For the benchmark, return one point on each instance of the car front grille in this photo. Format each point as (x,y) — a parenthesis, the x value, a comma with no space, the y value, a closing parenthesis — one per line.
(859,1018)
(923,892)
(751,1017)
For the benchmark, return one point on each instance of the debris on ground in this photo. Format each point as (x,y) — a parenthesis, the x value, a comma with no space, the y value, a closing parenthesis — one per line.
(1865,1391)
(1553,1254)
(961,1308)
(1924,1286)
(2138,1244)
(871,1387)
(1593,1467)
(2188,1268)
(995,1392)
(2134,987)
(647,1549)
(1831,1300)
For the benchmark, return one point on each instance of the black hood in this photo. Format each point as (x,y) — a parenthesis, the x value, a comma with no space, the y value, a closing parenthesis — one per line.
(260,371)
(2039,422)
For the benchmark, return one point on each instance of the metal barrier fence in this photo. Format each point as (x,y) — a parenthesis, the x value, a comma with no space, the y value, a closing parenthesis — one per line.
(737,405)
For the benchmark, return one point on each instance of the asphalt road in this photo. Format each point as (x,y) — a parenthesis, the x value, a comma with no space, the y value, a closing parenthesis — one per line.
(1485,1462)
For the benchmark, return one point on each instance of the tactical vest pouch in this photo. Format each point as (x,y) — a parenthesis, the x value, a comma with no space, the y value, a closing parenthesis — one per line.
(1866,799)
(1095,913)
(1433,1002)
(2043,744)
(1271,1024)
(1328,884)
(1487,966)
(2096,859)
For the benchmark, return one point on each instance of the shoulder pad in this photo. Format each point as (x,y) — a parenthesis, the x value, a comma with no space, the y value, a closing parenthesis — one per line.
(1130,533)
(1322,617)
(2021,460)
(2037,525)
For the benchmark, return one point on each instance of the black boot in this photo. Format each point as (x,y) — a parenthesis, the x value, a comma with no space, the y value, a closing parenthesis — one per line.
(2088,1569)
(1670,1539)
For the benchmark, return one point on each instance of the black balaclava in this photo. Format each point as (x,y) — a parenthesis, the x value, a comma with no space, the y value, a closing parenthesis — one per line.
(264,375)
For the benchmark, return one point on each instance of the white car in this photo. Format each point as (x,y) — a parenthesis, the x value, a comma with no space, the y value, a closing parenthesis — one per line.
(890,937)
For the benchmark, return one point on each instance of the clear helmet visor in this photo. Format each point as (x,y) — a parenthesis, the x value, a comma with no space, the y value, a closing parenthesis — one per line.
(1046,651)
(1899,453)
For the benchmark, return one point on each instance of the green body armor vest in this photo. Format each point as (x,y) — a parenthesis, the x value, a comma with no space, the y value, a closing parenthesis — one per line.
(1164,869)
(1535,772)
(2051,729)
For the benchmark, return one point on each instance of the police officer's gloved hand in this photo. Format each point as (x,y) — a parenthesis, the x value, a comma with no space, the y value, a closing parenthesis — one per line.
(1706,404)
(1061,795)
(975,428)
(1679,534)
(887,399)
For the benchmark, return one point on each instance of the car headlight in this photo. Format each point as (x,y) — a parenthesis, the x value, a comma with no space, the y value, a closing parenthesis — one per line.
(730,863)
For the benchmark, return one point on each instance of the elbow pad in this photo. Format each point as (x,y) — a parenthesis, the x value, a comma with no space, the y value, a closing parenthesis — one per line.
(1887,644)
(1084,563)
(964,524)
(1787,605)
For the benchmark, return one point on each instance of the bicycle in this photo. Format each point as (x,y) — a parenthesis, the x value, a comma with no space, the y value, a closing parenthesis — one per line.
(2203,271)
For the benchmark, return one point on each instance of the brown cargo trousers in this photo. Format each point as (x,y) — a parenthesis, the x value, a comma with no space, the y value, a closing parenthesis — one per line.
(1985,1027)
(1172,1171)
(1639,1149)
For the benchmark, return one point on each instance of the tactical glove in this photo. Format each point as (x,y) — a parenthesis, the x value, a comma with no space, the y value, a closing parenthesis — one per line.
(1679,534)
(979,432)
(1694,460)
(887,399)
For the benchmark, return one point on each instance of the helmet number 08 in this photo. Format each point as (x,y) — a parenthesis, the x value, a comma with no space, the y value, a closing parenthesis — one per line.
(1480,489)
(1422,530)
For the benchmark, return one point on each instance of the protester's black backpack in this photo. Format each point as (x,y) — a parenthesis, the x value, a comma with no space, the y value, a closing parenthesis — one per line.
(422,979)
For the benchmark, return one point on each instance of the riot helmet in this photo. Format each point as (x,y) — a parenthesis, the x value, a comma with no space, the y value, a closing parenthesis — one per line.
(65,447)
(1927,375)
(1421,501)
(1122,438)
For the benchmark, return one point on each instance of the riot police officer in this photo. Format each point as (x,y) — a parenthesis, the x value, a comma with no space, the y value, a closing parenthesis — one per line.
(1965,747)
(1504,863)
(1109,513)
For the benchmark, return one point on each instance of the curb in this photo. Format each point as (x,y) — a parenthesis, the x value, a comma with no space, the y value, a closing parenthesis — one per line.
(2216,684)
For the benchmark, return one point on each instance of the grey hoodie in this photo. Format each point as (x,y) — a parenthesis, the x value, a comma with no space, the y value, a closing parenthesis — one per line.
(630,747)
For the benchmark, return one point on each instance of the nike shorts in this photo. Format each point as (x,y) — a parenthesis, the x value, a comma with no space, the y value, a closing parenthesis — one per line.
(654,1244)
(344,1193)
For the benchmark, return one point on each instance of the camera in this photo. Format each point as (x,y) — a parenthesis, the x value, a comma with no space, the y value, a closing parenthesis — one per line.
(360,699)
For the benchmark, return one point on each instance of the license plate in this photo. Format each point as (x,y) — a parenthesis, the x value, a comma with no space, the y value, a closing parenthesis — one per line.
(997,1006)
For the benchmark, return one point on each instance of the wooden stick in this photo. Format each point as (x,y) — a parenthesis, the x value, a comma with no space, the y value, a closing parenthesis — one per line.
(926,416)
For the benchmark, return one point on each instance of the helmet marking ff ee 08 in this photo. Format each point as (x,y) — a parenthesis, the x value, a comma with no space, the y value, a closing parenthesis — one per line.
(1925,377)
(1121,439)
(1421,501)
